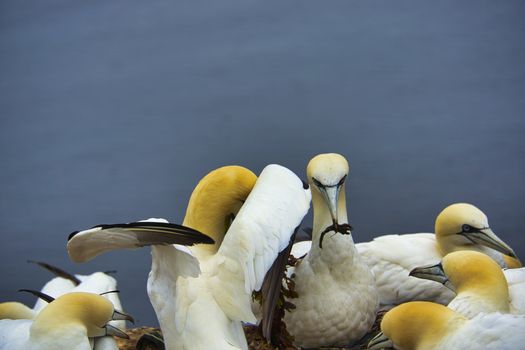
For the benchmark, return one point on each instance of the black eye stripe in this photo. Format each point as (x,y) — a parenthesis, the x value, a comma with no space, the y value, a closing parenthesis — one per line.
(317,183)
(341,182)
(320,185)
(465,228)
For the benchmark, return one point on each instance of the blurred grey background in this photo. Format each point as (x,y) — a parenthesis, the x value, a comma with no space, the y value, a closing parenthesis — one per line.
(112,110)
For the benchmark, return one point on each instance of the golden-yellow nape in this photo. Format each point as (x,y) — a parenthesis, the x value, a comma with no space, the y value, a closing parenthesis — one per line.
(512,263)
(419,324)
(13,310)
(88,310)
(216,200)
(478,275)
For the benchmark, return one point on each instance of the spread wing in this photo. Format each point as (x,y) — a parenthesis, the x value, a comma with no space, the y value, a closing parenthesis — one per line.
(83,246)
(262,229)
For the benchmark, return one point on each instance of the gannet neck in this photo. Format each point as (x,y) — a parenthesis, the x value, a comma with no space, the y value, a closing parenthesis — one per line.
(15,311)
(336,246)
(512,263)
(326,176)
(216,200)
(479,279)
(87,313)
(420,325)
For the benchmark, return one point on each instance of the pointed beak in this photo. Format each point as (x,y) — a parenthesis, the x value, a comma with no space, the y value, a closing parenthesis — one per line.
(489,239)
(119,315)
(380,341)
(331,196)
(432,273)
(114,331)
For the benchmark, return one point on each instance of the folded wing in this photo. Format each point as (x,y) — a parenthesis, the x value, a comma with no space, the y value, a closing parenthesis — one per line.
(262,229)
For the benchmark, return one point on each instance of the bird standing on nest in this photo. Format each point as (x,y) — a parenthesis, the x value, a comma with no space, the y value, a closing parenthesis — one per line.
(336,300)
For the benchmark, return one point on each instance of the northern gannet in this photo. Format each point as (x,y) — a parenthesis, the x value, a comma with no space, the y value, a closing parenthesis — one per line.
(422,325)
(13,310)
(64,282)
(66,323)
(337,298)
(478,282)
(202,293)
(459,226)
(98,283)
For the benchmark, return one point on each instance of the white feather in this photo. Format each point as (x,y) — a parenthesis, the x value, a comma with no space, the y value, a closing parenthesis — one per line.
(493,331)
(200,302)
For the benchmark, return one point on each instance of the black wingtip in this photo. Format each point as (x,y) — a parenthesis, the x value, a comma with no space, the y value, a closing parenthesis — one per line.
(38,294)
(56,271)
(202,238)
(71,235)
(110,291)
(305,185)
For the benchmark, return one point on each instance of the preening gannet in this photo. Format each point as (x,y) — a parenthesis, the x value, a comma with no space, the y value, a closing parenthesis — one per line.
(202,293)
(66,323)
(337,298)
(459,226)
(97,283)
(478,281)
(422,325)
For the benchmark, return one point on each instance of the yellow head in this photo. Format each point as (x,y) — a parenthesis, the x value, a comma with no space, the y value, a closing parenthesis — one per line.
(87,310)
(15,311)
(478,275)
(462,226)
(326,176)
(216,200)
(419,325)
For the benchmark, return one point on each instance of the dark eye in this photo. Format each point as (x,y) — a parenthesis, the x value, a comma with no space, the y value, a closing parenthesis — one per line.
(305,185)
(342,181)
(317,183)
(466,228)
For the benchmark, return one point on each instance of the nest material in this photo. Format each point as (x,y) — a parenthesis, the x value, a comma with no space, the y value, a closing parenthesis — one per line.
(253,336)
(257,342)
(134,335)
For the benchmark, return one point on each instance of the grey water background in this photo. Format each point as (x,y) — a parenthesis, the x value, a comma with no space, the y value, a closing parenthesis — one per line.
(112,110)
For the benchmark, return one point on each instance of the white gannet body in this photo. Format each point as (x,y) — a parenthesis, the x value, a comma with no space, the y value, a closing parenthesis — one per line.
(460,226)
(337,299)
(516,282)
(421,325)
(202,293)
(97,283)
(66,323)
(477,280)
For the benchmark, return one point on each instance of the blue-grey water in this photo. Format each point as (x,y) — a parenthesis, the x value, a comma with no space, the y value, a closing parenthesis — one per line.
(112,110)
